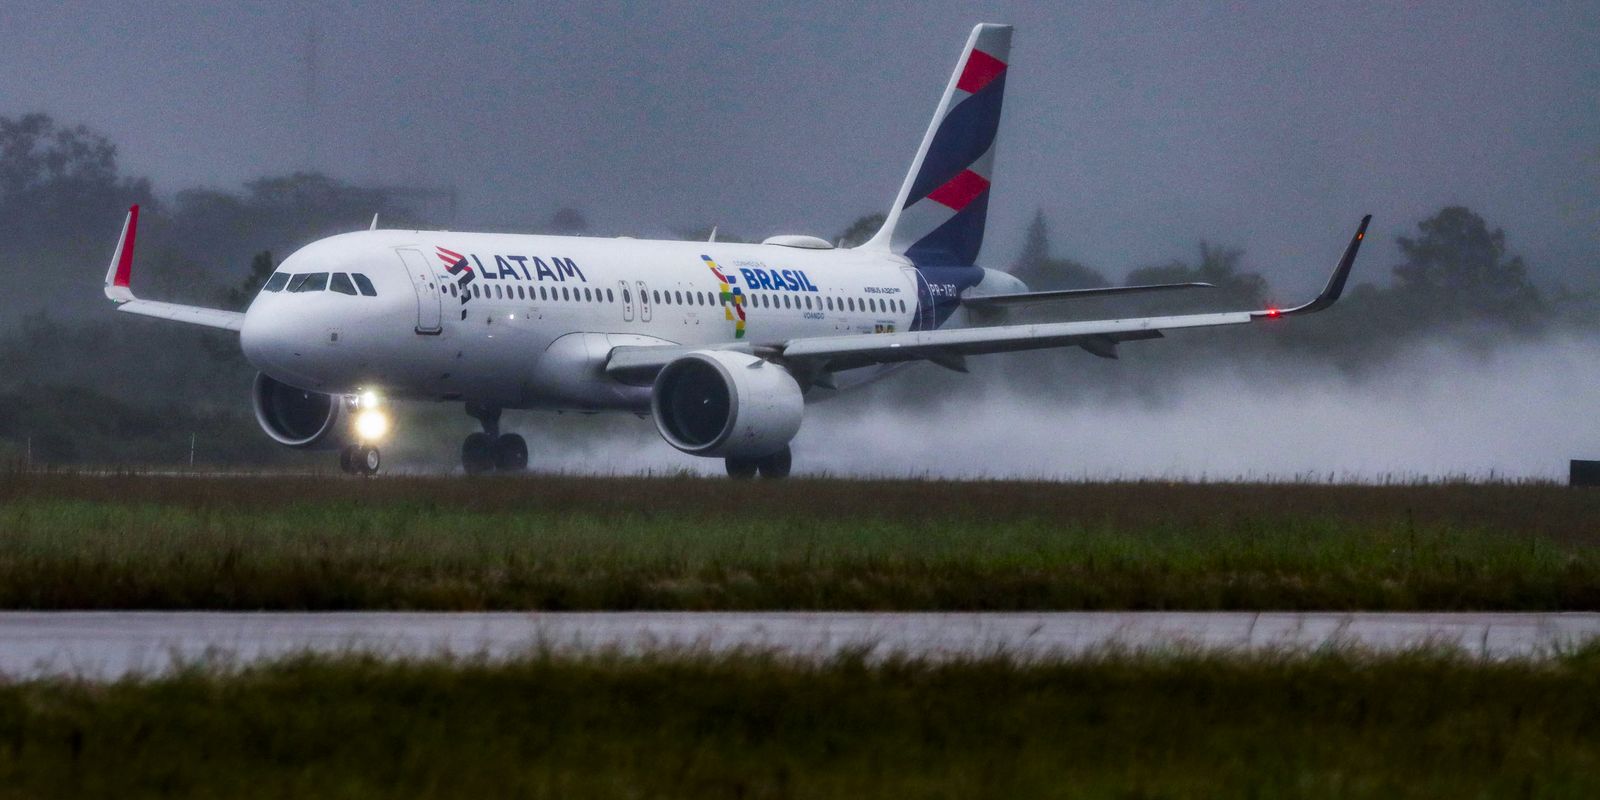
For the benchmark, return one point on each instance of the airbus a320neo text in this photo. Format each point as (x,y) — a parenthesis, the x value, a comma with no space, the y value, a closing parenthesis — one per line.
(721,344)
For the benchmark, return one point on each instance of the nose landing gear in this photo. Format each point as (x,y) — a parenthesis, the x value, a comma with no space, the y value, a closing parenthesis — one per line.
(358,459)
(492,450)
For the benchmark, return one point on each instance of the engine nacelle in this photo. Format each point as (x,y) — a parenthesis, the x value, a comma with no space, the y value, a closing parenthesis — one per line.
(296,417)
(725,404)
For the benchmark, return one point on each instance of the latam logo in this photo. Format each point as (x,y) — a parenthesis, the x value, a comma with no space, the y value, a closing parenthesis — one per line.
(519,268)
(456,264)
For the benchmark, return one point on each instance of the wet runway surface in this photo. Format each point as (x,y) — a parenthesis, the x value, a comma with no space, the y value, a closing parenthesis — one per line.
(107,645)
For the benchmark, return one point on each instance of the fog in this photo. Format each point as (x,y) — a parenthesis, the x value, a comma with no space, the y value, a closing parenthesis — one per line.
(1437,411)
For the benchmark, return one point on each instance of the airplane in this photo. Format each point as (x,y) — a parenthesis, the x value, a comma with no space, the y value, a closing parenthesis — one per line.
(721,344)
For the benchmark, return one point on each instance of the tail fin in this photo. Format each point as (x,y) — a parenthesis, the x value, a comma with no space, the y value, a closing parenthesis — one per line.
(939,215)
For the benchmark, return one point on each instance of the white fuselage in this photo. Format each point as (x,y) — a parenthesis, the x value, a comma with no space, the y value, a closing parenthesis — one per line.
(542,313)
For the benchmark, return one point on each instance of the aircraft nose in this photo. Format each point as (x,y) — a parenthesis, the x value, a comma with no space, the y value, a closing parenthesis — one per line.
(277,344)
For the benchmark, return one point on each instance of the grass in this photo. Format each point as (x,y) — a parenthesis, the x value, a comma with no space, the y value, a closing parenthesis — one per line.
(558,543)
(1324,724)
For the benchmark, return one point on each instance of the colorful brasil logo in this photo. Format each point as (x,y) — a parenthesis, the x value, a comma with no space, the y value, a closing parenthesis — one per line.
(732,298)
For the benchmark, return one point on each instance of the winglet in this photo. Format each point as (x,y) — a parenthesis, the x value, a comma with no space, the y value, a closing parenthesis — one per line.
(1330,293)
(119,274)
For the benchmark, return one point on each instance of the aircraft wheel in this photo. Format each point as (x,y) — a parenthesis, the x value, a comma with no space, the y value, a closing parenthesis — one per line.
(511,453)
(742,469)
(367,460)
(477,454)
(776,465)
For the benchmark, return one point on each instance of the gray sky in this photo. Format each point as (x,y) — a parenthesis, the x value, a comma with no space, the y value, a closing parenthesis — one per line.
(1138,128)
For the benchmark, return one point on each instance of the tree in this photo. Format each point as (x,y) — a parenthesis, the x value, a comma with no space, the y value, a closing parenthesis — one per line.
(58,182)
(861,230)
(1219,266)
(261,268)
(1041,270)
(1457,267)
(568,222)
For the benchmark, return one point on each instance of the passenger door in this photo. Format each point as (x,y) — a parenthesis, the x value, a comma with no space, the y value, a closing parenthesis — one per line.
(627,301)
(644,302)
(430,298)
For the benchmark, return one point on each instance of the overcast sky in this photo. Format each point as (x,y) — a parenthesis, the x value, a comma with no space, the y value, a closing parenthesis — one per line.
(1137,128)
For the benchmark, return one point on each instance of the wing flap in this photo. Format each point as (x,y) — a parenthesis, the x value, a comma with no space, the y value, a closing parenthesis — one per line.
(846,352)
(989,301)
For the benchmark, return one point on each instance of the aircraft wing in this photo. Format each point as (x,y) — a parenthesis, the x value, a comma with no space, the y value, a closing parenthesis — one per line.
(120,290)
(949,347)
(194,315)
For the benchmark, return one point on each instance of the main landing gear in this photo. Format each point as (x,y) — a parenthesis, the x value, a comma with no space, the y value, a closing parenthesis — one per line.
(492,450)
(358,459)
(773,466)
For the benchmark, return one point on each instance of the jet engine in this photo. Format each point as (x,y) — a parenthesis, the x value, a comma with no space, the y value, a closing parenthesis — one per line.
(725,404)
(296,417)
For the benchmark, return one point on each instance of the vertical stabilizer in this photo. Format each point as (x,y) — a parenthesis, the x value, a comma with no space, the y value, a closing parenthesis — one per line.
(938,217)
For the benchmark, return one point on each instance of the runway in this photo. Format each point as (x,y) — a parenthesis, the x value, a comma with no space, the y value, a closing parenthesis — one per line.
(110,645)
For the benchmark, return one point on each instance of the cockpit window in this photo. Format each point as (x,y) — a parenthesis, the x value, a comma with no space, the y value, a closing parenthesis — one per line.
(297,281)
(314,282)
(340,283)
(276,282)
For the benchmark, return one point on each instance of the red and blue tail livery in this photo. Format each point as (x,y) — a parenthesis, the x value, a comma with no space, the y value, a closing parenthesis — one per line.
(939,216)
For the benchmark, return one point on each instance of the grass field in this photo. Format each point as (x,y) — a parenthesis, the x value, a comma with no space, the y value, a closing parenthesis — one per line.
(1330,724)
(120,542)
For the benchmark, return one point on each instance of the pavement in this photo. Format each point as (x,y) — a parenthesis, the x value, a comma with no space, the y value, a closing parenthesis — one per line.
(110,645)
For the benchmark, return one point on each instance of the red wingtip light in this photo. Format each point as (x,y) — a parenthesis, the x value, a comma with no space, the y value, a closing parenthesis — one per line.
(1361,235)
(1273,312)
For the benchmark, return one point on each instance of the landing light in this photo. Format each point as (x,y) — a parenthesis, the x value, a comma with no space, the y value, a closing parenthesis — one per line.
(369,399)
(372,425)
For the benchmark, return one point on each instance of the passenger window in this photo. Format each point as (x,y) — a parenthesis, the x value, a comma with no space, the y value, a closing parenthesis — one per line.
(542,295)
(341,284)
(315,282)
(829,302)
(276,282)
(610,298)
(627,297)
(657,294)
(452,288)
